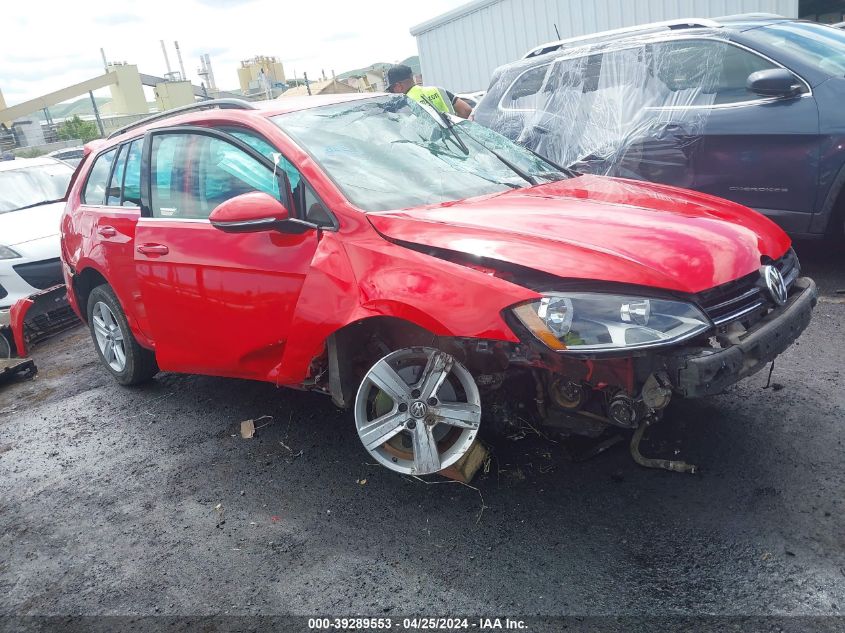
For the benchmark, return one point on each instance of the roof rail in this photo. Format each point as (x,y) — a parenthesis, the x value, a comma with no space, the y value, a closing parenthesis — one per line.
(684,23)
(222,104)
(739,17)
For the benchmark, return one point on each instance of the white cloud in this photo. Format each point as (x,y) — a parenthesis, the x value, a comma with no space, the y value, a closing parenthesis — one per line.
(39,55)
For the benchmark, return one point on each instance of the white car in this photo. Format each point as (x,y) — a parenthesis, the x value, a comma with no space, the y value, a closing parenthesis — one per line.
(32,194)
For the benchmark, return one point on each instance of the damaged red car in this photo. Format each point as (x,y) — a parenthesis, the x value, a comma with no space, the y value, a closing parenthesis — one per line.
(426,273)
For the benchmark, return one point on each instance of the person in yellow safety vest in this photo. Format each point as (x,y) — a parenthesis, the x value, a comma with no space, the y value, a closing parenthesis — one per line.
(400,80)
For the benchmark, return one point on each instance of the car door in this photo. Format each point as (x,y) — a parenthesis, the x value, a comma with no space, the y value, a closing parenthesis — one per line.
(111,198)
(217,303)
(762,152)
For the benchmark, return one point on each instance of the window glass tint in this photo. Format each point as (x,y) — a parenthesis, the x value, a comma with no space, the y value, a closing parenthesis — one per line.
(95,188)
(687,65)
(132,180)
(523,94)
(306,203)
(193,173)
(113,193)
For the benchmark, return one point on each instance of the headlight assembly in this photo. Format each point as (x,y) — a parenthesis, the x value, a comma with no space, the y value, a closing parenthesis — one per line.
(581,321)
(7,253)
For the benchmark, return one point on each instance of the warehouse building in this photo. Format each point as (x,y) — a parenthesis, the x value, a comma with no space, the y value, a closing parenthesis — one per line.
(460,49)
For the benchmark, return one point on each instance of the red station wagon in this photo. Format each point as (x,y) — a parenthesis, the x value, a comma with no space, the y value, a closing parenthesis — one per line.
(415,268)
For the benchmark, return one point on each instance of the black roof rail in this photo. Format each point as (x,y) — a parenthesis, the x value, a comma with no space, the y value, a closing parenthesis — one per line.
(222,104)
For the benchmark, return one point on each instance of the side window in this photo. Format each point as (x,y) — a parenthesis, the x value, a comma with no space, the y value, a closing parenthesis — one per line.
(95,188)
(308,205)
(114,190)
(737,64)
(522,95)
(712,72)
(132,180)
(193,173)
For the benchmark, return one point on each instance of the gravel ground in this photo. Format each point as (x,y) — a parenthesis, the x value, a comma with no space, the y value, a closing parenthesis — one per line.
(147,501)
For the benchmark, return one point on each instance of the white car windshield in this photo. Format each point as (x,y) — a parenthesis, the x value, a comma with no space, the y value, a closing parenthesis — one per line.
(391,153)
(34,185)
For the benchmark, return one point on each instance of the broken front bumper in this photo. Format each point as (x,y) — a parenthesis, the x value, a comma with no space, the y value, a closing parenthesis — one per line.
(697,372)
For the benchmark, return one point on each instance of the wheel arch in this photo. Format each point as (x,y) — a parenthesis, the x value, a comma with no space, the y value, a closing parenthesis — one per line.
(357,341)
(84,281)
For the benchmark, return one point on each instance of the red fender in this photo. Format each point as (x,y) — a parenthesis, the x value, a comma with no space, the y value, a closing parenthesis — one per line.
(17,314)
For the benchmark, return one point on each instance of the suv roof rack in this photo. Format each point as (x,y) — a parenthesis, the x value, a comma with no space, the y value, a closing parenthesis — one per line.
(672,25)
(740,17)
(222,104)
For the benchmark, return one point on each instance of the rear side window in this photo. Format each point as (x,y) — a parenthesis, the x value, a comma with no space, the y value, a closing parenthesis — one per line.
(132,180)
(193,173)
(95,188)
(116,184)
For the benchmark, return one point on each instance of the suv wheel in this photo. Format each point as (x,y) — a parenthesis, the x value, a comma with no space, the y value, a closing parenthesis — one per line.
(128,362)
(418,411)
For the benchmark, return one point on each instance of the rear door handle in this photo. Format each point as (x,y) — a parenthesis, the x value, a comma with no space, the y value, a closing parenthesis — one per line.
(153,249)
(107,231)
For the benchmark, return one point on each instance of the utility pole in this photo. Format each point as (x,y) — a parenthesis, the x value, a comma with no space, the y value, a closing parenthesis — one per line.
(307,85)
(97,113)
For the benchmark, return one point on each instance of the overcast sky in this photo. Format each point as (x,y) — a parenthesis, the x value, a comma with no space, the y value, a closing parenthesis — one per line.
(50,44)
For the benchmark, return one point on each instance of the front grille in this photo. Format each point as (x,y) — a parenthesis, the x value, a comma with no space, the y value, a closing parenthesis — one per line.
(746,298)
(42,275)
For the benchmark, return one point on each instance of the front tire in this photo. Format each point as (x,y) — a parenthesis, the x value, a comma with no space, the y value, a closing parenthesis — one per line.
(126,361)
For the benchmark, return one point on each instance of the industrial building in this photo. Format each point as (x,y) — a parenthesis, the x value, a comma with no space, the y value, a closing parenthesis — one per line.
(459,50)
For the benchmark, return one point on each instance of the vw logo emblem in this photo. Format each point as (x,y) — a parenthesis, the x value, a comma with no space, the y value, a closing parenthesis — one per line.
(418,409)
(774,284)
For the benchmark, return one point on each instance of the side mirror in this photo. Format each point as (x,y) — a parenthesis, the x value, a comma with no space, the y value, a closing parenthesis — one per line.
(249,213)
(775,82)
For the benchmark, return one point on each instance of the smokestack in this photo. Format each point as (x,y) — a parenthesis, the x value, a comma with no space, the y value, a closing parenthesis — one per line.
(166,60)
(105,63)
(181,64)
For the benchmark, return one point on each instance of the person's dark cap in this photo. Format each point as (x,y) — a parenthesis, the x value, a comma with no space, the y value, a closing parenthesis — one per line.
(398,73)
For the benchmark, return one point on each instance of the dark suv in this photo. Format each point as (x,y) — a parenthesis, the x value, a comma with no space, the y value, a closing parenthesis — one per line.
(749,108)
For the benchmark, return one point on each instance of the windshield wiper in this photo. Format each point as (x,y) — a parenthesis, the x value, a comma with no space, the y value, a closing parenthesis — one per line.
(449,125)
(38,204)
(564,170)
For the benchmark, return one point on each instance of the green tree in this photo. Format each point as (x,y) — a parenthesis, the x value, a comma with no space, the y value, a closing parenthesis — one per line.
(77,128)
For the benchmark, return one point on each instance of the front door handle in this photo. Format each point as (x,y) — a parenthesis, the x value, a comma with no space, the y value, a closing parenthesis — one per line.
(107,231)
(153,249)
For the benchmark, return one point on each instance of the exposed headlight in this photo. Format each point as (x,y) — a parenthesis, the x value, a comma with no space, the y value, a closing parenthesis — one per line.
(598,322)
(8,253)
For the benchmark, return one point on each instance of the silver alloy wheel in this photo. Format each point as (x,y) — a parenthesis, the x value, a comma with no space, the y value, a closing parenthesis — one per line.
(109,336)
(417,410)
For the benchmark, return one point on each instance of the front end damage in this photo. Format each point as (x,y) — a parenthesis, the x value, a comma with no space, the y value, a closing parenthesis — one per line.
(564,393)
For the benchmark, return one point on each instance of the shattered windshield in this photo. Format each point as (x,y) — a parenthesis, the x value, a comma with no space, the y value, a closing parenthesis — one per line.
(31,186)
(391,153)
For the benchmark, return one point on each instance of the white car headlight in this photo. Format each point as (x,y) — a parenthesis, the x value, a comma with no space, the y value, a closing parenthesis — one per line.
(581,321)
(8,253)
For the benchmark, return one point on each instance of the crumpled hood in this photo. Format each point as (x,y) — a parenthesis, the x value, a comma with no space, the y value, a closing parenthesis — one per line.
(27,225)
(607,229)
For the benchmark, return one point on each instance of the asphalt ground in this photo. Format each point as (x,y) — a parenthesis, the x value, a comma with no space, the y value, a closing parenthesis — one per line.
(147,501)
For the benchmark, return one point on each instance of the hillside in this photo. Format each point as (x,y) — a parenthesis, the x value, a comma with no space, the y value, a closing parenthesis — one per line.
(378,67)
(81,106)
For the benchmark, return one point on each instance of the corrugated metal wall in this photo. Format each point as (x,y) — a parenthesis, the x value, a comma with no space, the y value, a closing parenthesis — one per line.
(460,50)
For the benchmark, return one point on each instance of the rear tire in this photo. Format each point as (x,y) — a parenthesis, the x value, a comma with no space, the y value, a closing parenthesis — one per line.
(125,360)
